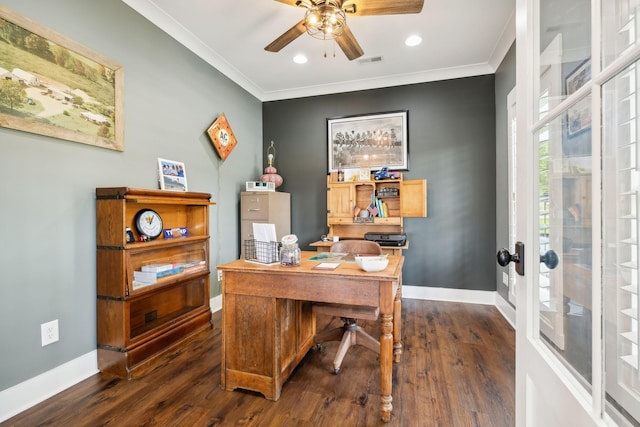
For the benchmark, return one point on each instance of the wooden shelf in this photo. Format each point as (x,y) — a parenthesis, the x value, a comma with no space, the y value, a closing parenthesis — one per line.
(343,197)
(136,325)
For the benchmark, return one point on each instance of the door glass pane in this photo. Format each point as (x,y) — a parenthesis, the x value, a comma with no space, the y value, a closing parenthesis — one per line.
(565,43)
(619,28)
(564,200)
(620,183)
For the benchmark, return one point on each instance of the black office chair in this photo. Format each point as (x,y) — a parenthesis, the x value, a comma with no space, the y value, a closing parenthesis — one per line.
(350,333)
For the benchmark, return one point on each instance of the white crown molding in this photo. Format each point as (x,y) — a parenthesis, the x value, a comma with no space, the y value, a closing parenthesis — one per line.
(388,81)
(159,18)
(507,38)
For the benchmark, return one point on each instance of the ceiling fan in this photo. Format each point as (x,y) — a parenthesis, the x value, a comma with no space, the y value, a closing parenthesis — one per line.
(326,19)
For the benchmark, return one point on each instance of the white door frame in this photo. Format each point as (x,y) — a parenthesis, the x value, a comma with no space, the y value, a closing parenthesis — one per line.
(547,394)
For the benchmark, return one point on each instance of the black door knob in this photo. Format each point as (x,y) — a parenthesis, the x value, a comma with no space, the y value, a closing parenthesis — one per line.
(550,259)
(504,257)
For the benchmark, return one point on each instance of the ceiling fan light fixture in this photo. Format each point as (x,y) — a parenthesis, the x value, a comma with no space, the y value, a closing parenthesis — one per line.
(325,20)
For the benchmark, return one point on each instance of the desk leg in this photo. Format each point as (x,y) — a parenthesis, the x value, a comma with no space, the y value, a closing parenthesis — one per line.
(386,365)
(397,325)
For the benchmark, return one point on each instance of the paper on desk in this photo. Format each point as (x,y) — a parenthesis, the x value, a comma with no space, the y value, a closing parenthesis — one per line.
(264,232)
(266,253)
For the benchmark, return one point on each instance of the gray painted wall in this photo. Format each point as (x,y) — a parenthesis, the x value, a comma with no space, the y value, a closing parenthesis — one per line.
(47,190)
(505,82)
(452,143)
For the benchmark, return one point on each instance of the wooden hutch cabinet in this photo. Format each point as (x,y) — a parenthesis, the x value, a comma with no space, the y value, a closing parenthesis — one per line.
(402,199)
(138,320)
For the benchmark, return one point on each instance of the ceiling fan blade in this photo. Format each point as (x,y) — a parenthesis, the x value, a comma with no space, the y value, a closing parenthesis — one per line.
(300,3)
(289,2)
(349,44)
(290,35)
(383,7)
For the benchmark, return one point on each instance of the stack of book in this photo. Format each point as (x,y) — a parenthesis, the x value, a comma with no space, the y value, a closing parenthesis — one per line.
(150,273)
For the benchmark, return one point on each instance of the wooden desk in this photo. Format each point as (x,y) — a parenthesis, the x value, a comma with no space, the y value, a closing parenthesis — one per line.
(268,326)
(324,246)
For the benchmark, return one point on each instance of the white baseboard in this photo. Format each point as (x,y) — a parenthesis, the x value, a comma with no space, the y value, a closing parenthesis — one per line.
(447,294)
(507,310)
(216,303)
(37,389)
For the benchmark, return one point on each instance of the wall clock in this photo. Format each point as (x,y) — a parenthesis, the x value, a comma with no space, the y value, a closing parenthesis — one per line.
(222,136)
(148,223)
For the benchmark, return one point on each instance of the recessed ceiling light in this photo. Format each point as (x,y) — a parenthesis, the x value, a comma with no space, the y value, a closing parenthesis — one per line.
(300,59)
(413,40)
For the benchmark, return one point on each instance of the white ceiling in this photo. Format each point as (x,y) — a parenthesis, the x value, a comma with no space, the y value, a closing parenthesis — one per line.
(460,38)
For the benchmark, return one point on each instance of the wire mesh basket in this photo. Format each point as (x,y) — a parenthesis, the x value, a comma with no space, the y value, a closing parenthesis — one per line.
(262,252)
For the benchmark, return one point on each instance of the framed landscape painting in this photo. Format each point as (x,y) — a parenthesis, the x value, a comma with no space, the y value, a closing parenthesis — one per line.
(53,86)
(370,141)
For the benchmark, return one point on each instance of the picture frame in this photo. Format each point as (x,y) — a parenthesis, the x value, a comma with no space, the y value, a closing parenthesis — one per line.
(59,88)
(222,136)
(351,174)
(364,174)
(172,175)
(578,115)
(370,141)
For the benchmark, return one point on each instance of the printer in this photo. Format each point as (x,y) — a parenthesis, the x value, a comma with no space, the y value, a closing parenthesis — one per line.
(387,239)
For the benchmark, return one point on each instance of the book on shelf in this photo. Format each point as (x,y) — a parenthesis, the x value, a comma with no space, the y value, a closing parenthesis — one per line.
(151,277)
(194,265)
(157,267)
(137,285)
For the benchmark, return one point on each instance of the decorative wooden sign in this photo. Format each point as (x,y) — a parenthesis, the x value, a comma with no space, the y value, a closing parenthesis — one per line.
(222,136)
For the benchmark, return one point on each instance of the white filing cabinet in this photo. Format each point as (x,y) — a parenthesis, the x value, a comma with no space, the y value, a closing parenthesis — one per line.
(270,207)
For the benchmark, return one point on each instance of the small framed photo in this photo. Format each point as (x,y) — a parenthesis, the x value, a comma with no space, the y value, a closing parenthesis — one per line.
(172,174)
(364,174)
(350,174)
(578,115)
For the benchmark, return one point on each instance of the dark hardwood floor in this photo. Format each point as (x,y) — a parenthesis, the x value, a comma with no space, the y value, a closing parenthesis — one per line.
(457,369)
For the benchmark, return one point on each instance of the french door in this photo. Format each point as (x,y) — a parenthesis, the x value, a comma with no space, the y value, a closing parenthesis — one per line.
(578,212)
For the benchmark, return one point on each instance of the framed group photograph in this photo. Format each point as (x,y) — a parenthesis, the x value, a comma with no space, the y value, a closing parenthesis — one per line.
(51,85)
(579,115)
(370,141)
(173,175)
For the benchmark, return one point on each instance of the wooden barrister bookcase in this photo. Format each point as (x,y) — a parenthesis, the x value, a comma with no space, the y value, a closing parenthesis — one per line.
(136,322)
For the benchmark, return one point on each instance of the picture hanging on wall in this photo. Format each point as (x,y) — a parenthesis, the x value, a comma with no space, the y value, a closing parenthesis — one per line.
(172,174)
(579,115)
(370,141)
(222,136)
(53,86)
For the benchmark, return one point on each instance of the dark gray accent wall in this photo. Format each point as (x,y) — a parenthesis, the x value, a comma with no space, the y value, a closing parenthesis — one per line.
(452,143)
(505,82)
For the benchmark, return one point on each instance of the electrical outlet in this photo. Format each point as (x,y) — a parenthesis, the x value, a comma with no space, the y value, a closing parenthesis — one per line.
(219,275)
(49,332)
